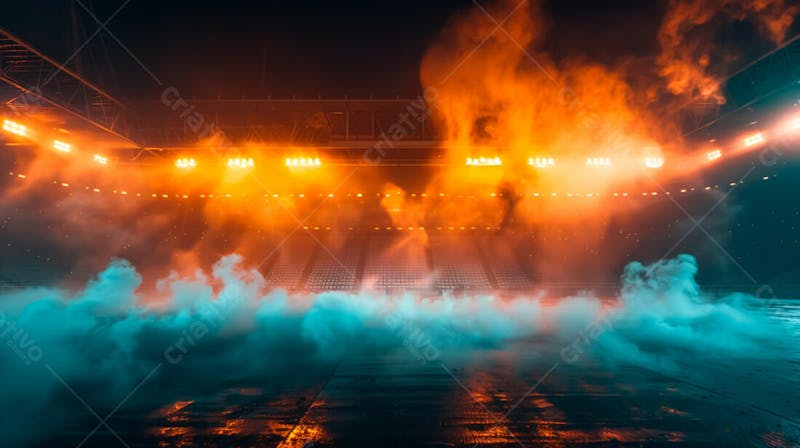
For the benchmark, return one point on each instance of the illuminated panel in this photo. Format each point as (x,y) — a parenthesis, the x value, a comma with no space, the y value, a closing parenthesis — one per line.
(100,160)
(484,161)
(185,163)
(598,161)
(303,162)
(654,162)
(755,139)
(714,155)
(541,162)
(241,163)
(61,146)
(15,128)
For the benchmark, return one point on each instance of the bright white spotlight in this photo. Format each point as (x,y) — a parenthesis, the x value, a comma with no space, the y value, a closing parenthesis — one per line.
(185,163)
(541,162)
(303,162)
(793,125)
(100,160)
(753,140)
(598,161)
(484,161)
(61,146)
(654,162)
(241,163)
(714,155)
(15,128)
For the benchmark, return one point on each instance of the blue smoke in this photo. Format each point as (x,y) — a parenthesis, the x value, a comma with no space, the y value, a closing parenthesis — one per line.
(201,333)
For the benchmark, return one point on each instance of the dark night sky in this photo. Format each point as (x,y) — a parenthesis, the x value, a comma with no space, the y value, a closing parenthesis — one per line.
(242,48)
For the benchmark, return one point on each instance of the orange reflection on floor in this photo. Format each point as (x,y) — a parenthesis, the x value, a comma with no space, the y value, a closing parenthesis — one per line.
(552,418)
(673,411)
(619,435)
(233,427)
(491,434)
(774,439)
(173,431)
(176,430)
(304,434)
(171,410)
(278,428)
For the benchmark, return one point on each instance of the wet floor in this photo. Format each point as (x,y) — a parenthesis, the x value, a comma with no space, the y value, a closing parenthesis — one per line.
(510,397)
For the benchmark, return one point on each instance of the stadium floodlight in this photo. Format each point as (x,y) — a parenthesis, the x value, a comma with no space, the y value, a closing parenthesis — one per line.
(754,139)
(484,161)
(241,163)
(100,160)
(62,146)
(15,128)
(541,162)
(598,161)
(792,126)
(654,162)
(714,155)
(303,162)
(185,163)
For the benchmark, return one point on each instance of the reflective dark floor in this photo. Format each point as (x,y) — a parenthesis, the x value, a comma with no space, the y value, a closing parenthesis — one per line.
(407,398)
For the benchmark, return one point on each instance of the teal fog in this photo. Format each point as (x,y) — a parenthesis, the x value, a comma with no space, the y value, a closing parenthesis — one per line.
(198,334)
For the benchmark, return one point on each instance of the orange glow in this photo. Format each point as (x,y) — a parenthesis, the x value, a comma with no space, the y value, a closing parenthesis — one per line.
(100,160)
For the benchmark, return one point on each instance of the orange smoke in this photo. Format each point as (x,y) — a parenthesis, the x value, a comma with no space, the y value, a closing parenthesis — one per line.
(494,92)
(499,94)
(153,210)
(687,62)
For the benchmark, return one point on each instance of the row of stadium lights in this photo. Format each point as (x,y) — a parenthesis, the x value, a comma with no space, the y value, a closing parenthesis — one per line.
(649,162)
(749,141)
(20,130)
(249,162)
(548,162)
(686,190)
(359,195)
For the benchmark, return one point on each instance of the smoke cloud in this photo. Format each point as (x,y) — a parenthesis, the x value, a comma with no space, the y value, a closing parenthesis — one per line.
(209,330)
(690,62)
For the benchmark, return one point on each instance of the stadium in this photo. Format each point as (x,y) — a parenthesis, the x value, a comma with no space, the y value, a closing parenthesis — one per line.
(554,237)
